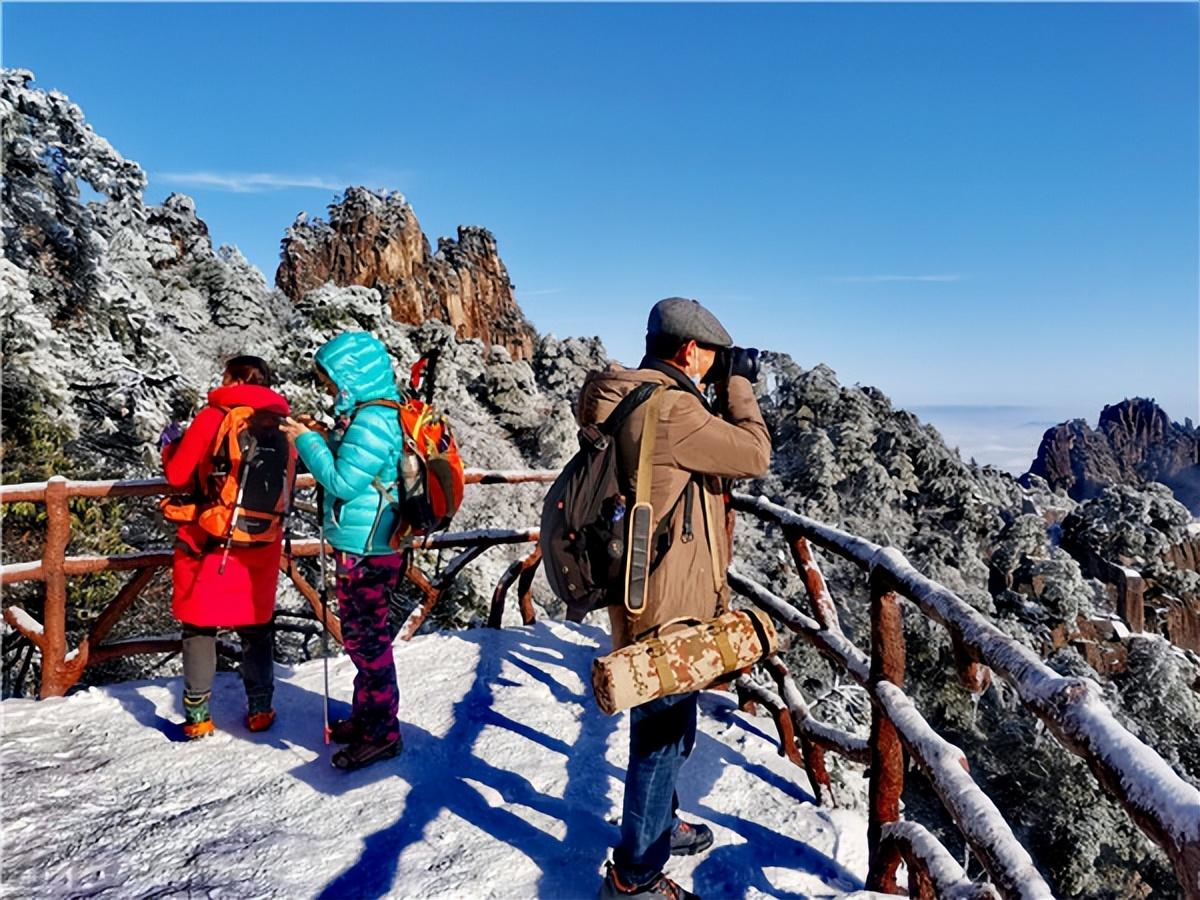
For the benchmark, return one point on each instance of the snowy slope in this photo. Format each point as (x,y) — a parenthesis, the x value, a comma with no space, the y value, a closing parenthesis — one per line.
(509,786)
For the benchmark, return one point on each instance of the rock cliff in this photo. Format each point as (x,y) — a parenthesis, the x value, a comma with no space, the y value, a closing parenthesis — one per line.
(1135,442)
(373,239)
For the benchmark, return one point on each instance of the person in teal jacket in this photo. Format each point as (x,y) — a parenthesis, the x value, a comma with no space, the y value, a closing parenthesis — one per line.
(356,465)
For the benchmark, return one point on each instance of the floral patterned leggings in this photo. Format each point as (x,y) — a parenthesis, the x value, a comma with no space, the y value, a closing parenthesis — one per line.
(362,587)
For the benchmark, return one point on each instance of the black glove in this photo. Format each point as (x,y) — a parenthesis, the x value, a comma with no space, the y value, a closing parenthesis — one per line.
(744,361)
(719,373)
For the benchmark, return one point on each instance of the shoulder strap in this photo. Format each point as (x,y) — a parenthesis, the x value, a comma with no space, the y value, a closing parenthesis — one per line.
(649,439)
(392,404)
(628,404)
(376,482)
(223,427)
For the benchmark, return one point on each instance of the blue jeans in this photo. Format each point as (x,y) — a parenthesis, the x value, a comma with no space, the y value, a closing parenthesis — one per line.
(661,735)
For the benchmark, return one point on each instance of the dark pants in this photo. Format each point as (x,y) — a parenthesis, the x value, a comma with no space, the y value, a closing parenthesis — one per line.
(362,588)
(661,735)
(258,661)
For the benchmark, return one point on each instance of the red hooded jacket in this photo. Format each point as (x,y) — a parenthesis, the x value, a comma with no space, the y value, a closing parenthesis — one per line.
(244,593)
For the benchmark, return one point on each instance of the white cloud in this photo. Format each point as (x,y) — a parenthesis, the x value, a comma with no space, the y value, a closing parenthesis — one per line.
(249,182)
(882,279)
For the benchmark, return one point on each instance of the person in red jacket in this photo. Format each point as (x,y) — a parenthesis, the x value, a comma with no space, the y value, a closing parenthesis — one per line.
(212,590)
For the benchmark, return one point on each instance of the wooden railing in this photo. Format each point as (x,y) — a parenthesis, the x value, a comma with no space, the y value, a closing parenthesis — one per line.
(61,669)
(1165,806)
(1160,802)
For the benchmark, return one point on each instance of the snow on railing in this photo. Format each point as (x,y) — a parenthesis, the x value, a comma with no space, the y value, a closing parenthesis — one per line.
(62,669)
(932,871)
(27,624)
(1160,802)
(1007,862)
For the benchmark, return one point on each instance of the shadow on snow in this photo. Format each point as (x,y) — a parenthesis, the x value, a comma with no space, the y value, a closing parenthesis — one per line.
(570,866)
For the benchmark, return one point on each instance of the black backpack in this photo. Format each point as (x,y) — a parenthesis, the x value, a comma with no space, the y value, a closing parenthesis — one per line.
(583,516)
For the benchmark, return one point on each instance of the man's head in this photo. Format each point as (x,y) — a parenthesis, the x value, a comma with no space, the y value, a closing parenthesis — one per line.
(682,332)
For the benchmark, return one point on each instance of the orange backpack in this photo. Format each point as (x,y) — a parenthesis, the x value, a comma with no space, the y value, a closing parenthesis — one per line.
(245,484)
(430,473)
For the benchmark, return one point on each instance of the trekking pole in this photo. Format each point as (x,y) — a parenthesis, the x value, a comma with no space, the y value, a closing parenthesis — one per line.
(237,504)
(324,587)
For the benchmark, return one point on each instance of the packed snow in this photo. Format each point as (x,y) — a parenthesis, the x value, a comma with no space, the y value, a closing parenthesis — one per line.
(509,785)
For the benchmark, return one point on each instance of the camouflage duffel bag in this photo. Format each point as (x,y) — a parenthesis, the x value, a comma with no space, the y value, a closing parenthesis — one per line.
(681,656)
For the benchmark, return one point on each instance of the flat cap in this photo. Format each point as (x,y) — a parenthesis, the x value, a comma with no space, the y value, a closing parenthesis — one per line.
(687,320)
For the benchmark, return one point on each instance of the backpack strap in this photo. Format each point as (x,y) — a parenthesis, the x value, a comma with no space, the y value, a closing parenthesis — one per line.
(645,470)
(392,404)
(637,561)
(628,404)
(376,482)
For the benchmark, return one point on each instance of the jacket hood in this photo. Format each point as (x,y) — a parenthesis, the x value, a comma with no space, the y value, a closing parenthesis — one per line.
(360,367)
(254,395)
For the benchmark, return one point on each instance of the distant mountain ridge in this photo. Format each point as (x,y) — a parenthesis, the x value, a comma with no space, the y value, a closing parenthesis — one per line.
(1135,442)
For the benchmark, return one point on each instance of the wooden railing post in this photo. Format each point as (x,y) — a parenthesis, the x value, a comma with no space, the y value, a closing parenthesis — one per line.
(113,612)
(56,676)
(812,755)
(523,569)
(972,675)
(887,754)
(814,582)
(417,617)
(525,585)
(320,606)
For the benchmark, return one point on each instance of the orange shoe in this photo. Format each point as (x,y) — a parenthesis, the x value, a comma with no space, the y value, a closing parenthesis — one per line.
(260,721)
(193,730)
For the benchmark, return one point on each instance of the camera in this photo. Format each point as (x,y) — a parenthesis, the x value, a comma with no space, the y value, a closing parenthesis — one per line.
(732,361)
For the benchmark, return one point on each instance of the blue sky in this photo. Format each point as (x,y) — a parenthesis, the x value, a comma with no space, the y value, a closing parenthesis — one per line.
(963,205)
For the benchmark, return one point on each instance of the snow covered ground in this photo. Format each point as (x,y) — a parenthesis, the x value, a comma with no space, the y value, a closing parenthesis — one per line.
(509,786)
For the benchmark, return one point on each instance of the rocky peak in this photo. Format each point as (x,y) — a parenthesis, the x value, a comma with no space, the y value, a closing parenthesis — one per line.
(1135,443)
(373,239)
(176,223)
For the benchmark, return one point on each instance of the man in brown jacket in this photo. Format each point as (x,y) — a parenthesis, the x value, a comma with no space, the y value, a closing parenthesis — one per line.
(696,449)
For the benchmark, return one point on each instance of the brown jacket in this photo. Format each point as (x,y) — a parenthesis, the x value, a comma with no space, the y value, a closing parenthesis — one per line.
(689,582)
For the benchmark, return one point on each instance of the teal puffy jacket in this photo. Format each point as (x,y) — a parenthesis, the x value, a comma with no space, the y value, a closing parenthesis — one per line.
(351,466)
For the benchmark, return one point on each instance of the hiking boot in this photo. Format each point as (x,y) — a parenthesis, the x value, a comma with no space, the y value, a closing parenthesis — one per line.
(259,714)
(660,885)
(362,753)
(260,721)
(197,718)
(345,731)
(690,838)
